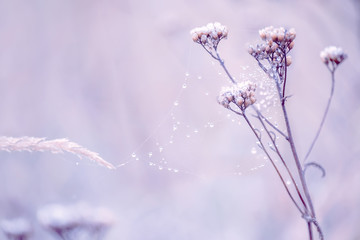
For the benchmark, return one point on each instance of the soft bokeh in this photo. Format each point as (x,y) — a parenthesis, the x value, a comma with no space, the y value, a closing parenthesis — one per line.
(106,74)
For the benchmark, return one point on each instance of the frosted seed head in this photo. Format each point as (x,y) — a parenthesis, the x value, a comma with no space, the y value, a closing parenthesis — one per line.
(333,54)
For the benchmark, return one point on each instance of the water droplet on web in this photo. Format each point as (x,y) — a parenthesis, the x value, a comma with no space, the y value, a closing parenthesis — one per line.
(188,135)
(187,74)
(150,154)
(253,150)
(175,127)
(196,131)
(77,163)
(161,167)
(137,159)
(161,149)
(133,155)
(206,94)
(151,164)
(171,141)
(175,170)
(211,125)
(288,182)
(176,103)
(199,77)
(184,85)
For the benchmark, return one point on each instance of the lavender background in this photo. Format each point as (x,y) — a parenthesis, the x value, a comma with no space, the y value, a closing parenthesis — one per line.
(105,74)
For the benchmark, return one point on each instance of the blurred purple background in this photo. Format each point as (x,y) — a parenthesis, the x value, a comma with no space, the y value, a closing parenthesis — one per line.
(105,74)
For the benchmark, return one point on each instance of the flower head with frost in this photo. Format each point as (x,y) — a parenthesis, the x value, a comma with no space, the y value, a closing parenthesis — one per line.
(333,54)
(18,228)
(209,35)
(241,94)
(277,43)
(75,219)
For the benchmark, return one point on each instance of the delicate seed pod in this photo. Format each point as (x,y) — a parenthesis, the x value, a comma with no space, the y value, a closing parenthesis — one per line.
(252,93)
(281,36)
(247,102)
(292,33)
(253,100)
(251,50)
(203,38)
(195,37)
(288,60)
(239,101)
(214,35)
(262,34)
(291,45)
(274,36)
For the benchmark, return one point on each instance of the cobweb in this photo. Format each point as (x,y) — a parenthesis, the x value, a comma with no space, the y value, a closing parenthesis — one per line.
(196,135)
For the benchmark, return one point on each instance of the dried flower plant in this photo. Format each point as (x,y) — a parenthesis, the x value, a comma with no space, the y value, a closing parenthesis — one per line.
(16,229)
(32,144)
(78,221)
(272,56)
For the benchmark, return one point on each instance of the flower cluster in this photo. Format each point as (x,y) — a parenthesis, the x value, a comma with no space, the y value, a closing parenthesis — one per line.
(76,220)
(333,54)
(209,35)
(278,42)
(241,94)
(18,228)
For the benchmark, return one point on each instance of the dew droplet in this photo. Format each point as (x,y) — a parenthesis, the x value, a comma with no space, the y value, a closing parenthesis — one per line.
(161,167)
(184,85)
(171,141)
(175,127)
(175,170)
(188,135)
(137,159)
(151,164)
(196,131)
(77,163)
(150,154)
(161,149)
(199,77)
(176,103)
(187,74)
(133,155)
(253,150)
(211,125)
(288,182)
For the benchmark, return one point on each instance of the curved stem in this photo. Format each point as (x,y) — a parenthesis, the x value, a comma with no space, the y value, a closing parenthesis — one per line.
(324,116)
(283,161)
(272,162)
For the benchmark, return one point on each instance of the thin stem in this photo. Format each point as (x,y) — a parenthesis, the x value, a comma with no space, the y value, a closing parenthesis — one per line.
(211,54)
(283,161)
(325,114)
(222,63)
(285,77)
(272,125)
(272,162)
(310,231)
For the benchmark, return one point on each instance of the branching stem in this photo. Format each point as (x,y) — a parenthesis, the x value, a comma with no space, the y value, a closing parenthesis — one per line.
(325,114)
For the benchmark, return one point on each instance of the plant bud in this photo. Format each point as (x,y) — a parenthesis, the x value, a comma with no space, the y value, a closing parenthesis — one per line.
(291,45)
(253,100)
(247,102)
(288,60)
(195,37)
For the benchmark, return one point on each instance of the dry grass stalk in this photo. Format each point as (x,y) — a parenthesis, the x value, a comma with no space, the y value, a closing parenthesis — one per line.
(61,145)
